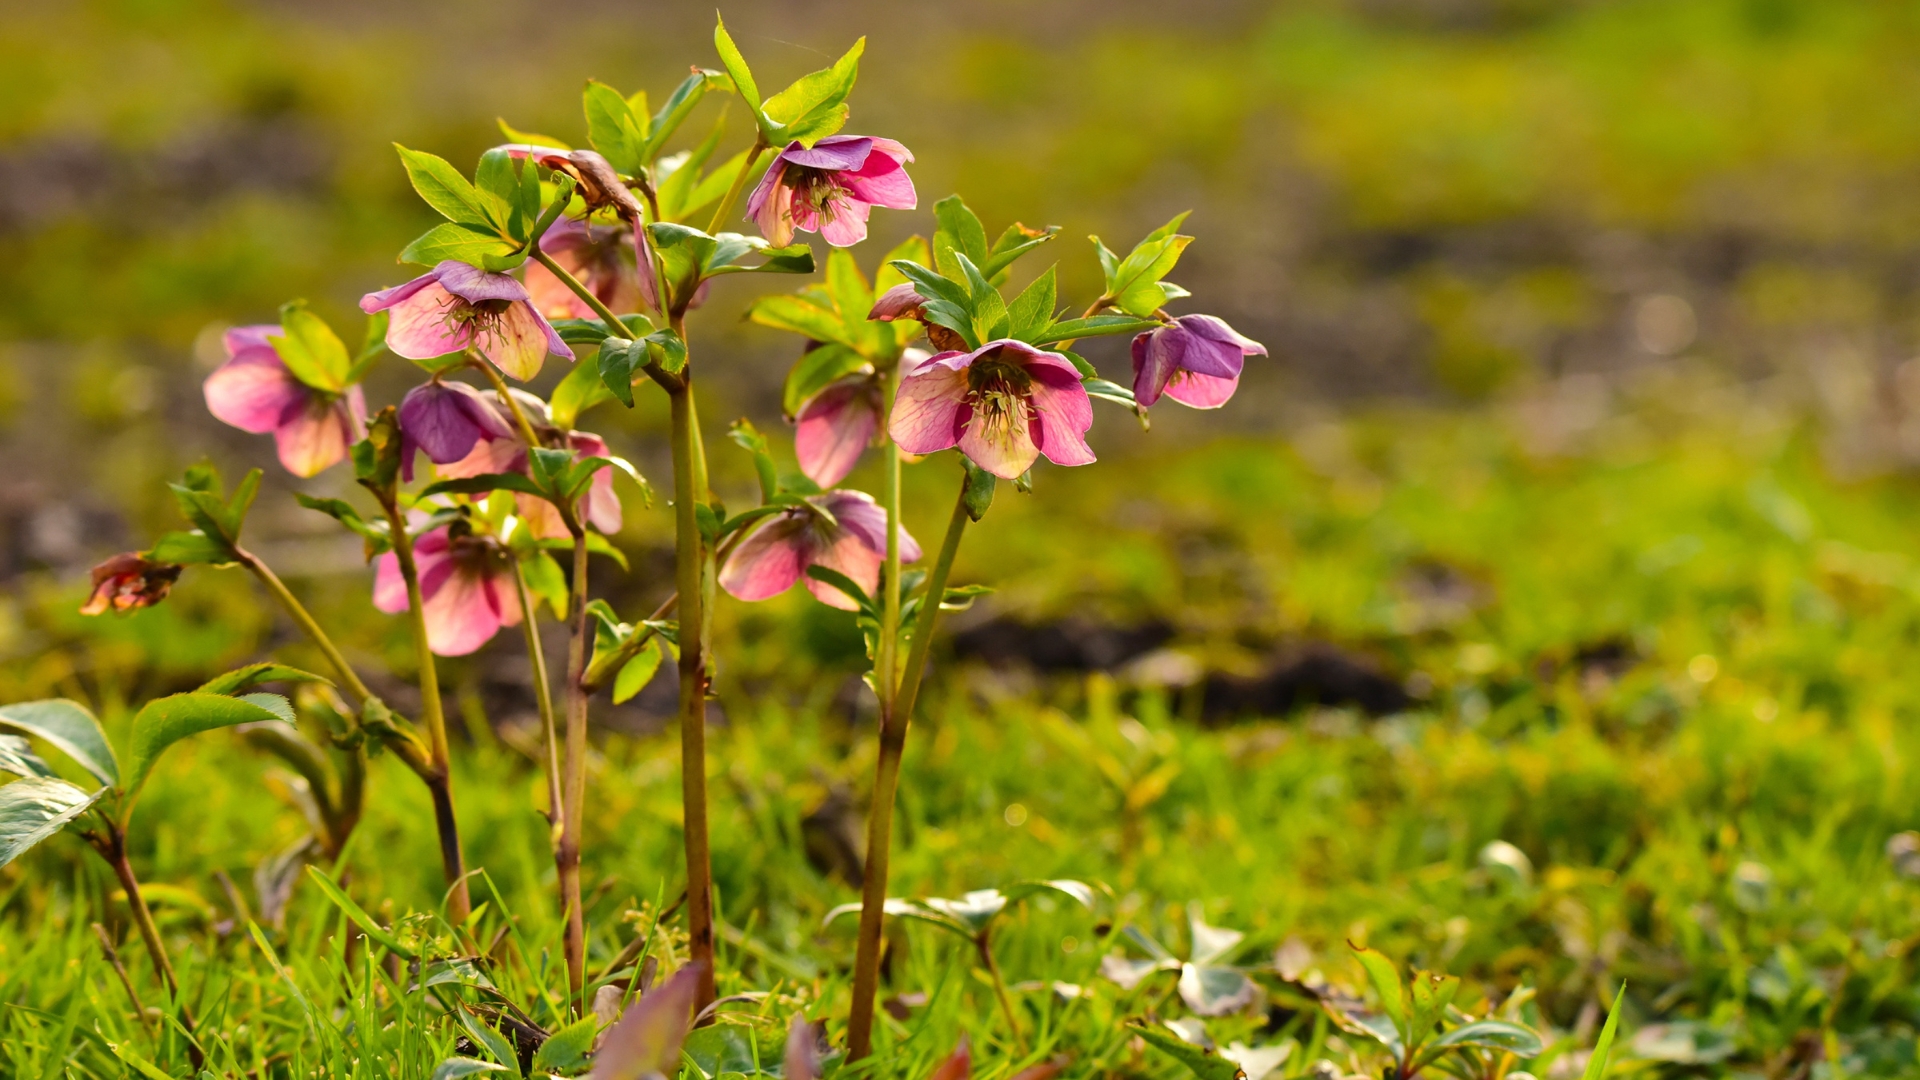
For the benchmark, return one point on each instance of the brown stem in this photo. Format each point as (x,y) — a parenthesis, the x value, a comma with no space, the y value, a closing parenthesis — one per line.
(886,781)
(120,970)
(438,773)
(574,791)
(113,848)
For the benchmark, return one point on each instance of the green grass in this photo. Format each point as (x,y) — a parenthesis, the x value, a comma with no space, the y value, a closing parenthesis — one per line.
(1707,826)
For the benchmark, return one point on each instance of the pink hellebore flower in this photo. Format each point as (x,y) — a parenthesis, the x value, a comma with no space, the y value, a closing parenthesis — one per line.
(1004,405)
(446,420)
(834,426)
(830,188)
(455,306)
(598,256)
(840,530)
(254,391)
(466,589)
(1195,361)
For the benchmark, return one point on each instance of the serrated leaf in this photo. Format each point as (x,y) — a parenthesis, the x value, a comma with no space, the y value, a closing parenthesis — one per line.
(1032,311)
(444,189)
(567,1047)
(70,729)
(470,244)
(962,226)
(677,107)
(313,353)
(1013,243)
(255,674)
(193,548)
(161,723)
(613,129)
(813,107)
(1096,326)
(35,808)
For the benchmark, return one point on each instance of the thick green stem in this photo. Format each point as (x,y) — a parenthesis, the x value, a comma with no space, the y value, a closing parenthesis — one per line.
(542,692)
(887,664)
(886,780)
(574,792)
(305,620)
(439,775)
(725,209)
(693,572)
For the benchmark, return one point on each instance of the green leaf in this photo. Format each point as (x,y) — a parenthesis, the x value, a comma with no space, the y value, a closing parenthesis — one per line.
(1386,983)
(844,583)
(474,485)
(963,232)
(545,581)
(913,249)
(581,331)
(742,77)
(1097,326)
(1204,1064)
(190,549)
(678,106)
(818,369)
(1133,286)
(255,674)
(1013,243)
(978,493)
(35,808)
(852,296)
(748,438)
(455,1068)
(579,391)
(374,931)
(1603,1048)
(935,286)
(814,106)
(70,729)
(799,315)
(470,244)
(530,138)
(1492,1035)
(163,722)
(499,189)
(372,346)
(612,128)
(1032,311)
(636,673)
(567,1047)
(374,532)
(313,353)
(615,366)
(495,1043)
(444,189)
(666,350)
(1432,993)
(17,757)
(962,597)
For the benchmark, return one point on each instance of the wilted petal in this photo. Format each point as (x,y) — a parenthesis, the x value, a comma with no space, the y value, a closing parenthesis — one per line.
(423,324)
(850,554)
(314,437)
(1200,391)
(803,1051)
(931,410)
(253,391)
(647,1039)
(129,581)
(833,429)
(770,559)
(900,302)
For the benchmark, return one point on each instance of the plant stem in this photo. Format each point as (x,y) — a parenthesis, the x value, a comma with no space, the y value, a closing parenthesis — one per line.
(438,775)
(542,692)
(893,740)
(305,620)
(113,848)
(693,573)
(888,662)
(722,211)
(574,792)
(506,398)
(984,945)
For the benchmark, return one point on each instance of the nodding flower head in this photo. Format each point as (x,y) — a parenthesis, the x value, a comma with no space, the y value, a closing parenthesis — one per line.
(466,588)
(446,419)
(466,432)
(830,187)
(129,581)
(455,307)
(903,301)
(1004,405)
(254,391)
(834,426)
(599,257)
(1195,360)
(840,530)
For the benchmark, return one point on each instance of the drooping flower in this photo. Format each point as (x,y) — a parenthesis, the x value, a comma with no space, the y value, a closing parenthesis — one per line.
(1195,360)
(445,420)
(1004,405)
(834,426)
(255,392)
(456,306)
(482,429)
(128,581)
(830,188)
(840,530)
(598,256)
(903,301)
(466,589)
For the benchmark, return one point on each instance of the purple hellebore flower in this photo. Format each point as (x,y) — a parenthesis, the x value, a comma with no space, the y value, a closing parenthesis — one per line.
(840,530)
(830,188)
(1195,360)
(466,589)
(255,392)
(446,419)
(598,256)
(1004,405)
(834,426)
(456,306)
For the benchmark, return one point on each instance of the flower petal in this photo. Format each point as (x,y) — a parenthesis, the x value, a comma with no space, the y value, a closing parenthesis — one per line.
(931,408)
(1062,415)
(515,341)
(769,560)
(463,614)
(850,555)
(1152,367)
(858,514)
(1001,444)
(1216,329)
(422,329)
(445,419)
(882,181)
(315,437)
(253,391)
(835,152)
(899,302)
(398,294)
(771,205)
(1201,391)
(241,338)
(846,222)
(833,429)
(472,284)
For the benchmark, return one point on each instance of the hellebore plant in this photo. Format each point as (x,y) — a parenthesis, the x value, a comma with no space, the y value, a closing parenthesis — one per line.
(593,257)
